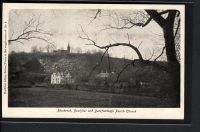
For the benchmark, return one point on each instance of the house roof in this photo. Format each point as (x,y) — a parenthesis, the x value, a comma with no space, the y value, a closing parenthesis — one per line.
(61,74)
(103,74)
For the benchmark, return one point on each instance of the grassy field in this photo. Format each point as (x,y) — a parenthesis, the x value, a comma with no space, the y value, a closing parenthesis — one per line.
(60,97)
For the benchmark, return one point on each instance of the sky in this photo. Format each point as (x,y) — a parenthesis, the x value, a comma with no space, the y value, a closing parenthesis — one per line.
(66,28)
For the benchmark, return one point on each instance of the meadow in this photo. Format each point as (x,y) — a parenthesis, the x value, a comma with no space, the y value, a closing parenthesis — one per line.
(61,97)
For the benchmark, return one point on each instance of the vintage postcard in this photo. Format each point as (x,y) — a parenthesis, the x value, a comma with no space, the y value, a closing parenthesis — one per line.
(110,61)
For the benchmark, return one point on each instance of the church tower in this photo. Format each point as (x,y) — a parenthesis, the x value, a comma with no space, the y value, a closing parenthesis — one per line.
(68,48)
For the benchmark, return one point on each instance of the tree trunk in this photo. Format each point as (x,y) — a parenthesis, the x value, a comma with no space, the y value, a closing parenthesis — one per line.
(167,25)
(173,65)
(168,31)
(169,44)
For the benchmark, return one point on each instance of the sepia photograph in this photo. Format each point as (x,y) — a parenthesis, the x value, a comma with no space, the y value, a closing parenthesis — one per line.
(96,56)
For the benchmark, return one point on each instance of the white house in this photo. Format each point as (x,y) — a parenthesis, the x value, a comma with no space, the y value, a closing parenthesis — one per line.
(61,78)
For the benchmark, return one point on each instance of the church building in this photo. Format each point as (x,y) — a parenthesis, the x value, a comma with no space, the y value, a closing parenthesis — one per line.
(62,51)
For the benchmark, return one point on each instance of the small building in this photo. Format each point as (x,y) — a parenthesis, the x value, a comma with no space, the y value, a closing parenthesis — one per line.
(103,75)
(68,78)
(61,78)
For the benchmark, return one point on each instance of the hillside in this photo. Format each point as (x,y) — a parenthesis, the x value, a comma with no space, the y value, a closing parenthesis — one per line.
(78,65)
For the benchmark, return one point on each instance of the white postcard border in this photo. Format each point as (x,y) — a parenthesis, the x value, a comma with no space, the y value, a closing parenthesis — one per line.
(129,113)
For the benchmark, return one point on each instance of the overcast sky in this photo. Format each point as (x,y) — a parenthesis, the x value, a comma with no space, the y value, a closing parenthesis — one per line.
(65,26)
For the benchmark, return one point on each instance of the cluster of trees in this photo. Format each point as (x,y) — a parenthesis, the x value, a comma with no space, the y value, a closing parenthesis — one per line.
(48,49)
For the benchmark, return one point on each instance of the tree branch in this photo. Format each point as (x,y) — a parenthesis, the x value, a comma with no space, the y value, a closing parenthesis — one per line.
(98,64)
(129,22)
(128,39)
(163,49)
(119,74)
(32,30)
(151,56)
(177,28)
(110,45)
(122,44)
(156,17)
(96,15)
(109,68)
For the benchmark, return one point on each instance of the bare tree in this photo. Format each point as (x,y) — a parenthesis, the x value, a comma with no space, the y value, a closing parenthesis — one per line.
(34,49)
(78,50)
(85,36)
(49,48)
(169,22)
(32,29)
(88,52)
(165,22)
(41,49)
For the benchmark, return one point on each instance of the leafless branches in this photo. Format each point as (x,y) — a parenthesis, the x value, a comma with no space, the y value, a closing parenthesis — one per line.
(152,54)
(162,18)
(139,45)
(85,36)
(32,30)
(96,15)
(129,22)
(163,49)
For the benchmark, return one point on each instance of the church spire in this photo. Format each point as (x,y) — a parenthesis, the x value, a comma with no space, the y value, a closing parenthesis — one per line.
(68,47)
